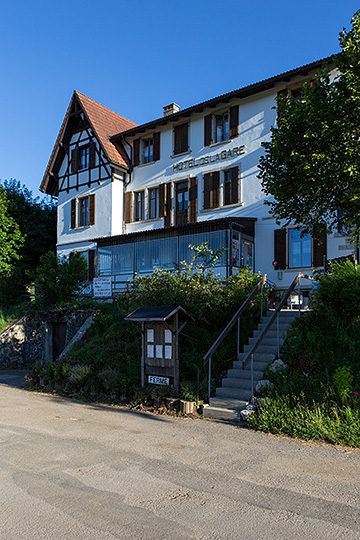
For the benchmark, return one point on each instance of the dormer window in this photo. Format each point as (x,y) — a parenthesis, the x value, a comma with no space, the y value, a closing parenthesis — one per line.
(221,127)
(147,150)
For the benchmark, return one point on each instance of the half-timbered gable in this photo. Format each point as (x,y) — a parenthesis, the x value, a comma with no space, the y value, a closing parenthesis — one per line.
(86,172)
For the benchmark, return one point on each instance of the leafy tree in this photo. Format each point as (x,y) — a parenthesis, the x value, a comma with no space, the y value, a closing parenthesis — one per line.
(311,166)
(60,279)
(11,239)
(37,222)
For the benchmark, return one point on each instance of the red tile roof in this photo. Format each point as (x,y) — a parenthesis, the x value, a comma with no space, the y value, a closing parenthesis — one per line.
(104,123)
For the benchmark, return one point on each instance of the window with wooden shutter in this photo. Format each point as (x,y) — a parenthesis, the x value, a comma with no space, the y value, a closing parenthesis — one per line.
(136,152)
(193,200)
(234,121)
(91,209)
(128,207)
(208,130)
(280,249)
(73,213)
(319,248)
(181,139)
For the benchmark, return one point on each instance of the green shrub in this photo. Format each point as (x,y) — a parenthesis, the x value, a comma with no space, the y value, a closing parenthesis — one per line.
(60,279)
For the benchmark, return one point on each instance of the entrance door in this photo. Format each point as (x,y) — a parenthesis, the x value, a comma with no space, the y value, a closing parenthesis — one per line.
(182,203)
(59,338)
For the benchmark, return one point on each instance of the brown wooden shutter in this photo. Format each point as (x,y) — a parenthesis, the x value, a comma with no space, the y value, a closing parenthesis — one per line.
(74,160)
(319,248)
(234,121)
(136,152)
(280,248)
(208,130)
(91,255)
(161,200)
(207,189)
(181,143)
(193,200)
(215,186)
(91,209)
(128,207)
(73,213)
(167,205)
(234,182)
(92,155)
(156,148)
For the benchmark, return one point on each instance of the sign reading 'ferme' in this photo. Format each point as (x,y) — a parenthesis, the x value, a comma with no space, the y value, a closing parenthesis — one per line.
(225,154)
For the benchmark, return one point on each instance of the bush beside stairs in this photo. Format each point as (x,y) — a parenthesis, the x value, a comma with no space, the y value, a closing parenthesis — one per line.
(236,391)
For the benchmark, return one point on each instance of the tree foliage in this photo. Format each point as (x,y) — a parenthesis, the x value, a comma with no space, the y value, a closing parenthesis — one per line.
(37,222)
(11,239)
(311,165)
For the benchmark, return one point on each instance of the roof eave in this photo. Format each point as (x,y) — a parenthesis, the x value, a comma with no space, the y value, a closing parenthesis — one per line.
(246,91)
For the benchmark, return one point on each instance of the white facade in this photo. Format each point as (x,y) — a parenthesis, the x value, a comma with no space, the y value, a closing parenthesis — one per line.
(191,176)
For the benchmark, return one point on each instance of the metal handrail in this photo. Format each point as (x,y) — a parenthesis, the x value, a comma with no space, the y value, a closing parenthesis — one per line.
(273,317)
(230,324)
(228,327)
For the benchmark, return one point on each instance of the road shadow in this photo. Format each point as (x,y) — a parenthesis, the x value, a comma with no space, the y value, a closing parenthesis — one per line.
(13,377)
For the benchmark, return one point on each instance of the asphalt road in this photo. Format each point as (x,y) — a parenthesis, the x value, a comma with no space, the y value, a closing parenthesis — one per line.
(75,471)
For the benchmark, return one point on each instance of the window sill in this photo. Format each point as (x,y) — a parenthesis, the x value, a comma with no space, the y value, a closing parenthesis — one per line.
(174,156)
(219,143)
(224,207)
(145,164)
(149,220)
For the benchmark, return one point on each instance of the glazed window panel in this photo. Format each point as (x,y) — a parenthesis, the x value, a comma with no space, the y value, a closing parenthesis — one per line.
(83,212)
(139,205)
(215,240)
(153,203)
(84,157)
(222,127)
(299,249)
(160,253)
(148,150)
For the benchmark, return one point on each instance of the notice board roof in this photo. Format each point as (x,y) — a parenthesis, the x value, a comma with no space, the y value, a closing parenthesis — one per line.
(157,313)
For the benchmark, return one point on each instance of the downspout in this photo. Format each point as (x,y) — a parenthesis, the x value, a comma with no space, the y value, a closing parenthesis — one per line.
(130,171)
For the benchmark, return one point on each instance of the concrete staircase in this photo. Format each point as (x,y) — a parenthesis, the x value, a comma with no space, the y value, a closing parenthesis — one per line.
(236,390)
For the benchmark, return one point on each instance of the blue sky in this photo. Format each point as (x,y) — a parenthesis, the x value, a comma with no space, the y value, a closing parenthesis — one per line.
(136,57)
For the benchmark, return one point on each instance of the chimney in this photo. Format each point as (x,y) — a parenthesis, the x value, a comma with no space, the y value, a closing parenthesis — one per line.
(171,109)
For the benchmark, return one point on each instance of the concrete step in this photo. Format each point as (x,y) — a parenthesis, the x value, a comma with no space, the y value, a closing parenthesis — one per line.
(227,403)
(225,409)
(224,414)
(242,384)
(242,374)
(234,393)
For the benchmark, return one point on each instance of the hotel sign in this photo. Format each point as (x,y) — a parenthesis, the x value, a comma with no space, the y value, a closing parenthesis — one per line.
(206,160)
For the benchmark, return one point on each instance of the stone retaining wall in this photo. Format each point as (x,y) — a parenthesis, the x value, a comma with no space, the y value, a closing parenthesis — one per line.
(30,338)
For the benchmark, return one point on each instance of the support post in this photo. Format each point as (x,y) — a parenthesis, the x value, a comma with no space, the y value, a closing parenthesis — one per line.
(278,333)
(238,339)
(252,373)
(299,293)
(209,385)
(143,355)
